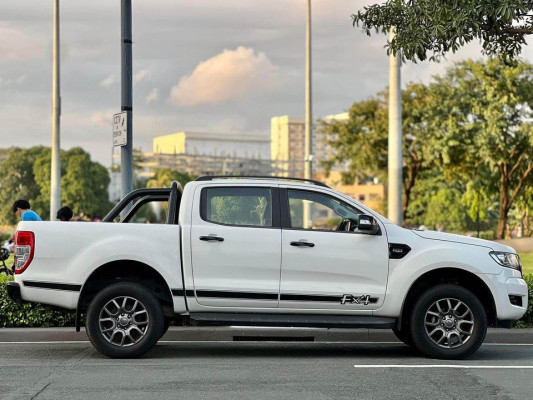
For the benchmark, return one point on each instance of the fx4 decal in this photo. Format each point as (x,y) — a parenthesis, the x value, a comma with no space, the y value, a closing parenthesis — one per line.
(364,299)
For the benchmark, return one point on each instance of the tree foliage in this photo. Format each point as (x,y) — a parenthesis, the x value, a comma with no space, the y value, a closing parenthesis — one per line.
(26,174)
(18,180)
(430,29)
(467,142)
(486,135)
(360,143)
(163,177)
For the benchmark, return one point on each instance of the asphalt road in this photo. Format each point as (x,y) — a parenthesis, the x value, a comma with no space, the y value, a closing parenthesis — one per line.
(257,370)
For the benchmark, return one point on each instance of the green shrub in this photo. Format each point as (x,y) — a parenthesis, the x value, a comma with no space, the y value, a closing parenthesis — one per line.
(31,314)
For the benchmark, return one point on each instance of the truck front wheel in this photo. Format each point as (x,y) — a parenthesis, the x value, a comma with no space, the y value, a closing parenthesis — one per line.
(448,322)
(124,320)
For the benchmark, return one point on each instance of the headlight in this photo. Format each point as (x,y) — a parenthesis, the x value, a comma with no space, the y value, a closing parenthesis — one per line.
(508,260)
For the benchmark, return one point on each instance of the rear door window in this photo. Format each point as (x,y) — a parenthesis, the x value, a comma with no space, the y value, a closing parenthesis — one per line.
(237,206)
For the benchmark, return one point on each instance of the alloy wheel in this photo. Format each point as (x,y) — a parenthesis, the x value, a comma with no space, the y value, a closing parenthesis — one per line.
(449,323)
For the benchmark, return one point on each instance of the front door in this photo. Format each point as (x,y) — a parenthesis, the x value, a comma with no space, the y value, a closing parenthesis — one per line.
(236,246)
(327,263)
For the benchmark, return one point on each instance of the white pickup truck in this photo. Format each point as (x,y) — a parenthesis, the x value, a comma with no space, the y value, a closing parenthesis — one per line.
(265,252)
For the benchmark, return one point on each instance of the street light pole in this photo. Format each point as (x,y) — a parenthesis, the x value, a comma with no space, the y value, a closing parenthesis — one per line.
(308,145)
(308,155)
(55,172)
(395,137)
(126,152)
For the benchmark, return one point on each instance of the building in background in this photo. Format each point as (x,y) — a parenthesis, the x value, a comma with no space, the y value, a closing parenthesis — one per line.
(202,153)
(213,145)
(204,164)
(287,154)
(370,192)
(287,139)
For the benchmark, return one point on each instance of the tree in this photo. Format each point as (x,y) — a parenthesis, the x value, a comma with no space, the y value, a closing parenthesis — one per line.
(26,175)
(486,135)
(360,143)
(18,181)
(429,27)
(84,183)
(163,177)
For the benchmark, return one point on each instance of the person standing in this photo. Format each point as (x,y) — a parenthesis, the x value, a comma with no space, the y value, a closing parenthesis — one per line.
(23,209)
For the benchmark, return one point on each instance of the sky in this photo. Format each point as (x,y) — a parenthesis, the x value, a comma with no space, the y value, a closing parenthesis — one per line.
(198,65)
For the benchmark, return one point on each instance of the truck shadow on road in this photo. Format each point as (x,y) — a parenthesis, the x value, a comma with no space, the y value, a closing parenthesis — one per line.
(322,350)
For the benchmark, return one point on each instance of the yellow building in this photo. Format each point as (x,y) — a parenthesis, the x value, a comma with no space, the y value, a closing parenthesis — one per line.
(371,192)
(213,145)
(170,144)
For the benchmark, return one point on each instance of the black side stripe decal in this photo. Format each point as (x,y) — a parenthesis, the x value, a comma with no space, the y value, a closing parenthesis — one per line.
(181,292)
(55,286)
(306,297)
(237,295)
(264,296)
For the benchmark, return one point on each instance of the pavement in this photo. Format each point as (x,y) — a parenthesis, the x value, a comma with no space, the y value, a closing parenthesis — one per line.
(263,334)
(262,371)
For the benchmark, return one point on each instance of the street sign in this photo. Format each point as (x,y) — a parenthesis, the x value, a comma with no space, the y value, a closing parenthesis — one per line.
(120,129)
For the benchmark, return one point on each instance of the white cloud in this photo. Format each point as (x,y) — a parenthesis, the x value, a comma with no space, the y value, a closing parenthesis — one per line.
(152,96)
(19,46)
(230,74)
(109,81)
(4,83)
(227,125)
(140,76)
(100,119)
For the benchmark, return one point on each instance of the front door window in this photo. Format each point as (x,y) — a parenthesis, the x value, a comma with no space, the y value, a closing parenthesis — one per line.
(317,211)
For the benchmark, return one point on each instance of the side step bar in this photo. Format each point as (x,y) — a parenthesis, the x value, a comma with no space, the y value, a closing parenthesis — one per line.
(292,320)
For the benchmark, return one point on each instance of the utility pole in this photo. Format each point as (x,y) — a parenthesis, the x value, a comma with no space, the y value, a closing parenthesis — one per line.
(395,137)
(126,152)
(308,157)
(308,145)
(55,173)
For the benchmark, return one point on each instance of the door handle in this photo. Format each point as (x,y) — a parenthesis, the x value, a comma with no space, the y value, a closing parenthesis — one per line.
(211,238)
(302,244)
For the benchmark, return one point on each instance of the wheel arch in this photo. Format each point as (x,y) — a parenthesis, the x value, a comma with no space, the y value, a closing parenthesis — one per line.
(455,276)
(125,271)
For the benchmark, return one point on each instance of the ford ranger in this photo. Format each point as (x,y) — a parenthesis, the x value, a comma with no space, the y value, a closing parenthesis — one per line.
(267,252)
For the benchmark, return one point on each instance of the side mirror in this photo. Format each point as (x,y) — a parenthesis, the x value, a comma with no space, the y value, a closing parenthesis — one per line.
(367,224)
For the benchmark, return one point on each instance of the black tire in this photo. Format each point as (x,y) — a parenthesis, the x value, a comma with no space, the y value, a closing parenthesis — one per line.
(166,325)
(404,335)
(124,320)
(448,322)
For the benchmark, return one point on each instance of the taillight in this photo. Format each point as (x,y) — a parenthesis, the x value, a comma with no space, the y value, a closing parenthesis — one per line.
(24,247)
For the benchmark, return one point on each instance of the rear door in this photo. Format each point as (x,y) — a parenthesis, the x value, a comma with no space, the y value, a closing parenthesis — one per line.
(327,262)
(236,246)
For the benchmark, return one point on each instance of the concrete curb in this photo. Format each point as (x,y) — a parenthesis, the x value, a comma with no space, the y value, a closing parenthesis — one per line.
(228,334)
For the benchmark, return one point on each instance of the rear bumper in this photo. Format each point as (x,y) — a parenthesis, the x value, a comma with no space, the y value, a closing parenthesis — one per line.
(13,291)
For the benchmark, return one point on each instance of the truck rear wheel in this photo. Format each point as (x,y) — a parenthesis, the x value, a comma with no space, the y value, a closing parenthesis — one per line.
(448,322)
(124,320)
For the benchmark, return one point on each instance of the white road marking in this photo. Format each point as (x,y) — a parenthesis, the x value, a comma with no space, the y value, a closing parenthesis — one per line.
(259,341)
(447,366)
(51,342)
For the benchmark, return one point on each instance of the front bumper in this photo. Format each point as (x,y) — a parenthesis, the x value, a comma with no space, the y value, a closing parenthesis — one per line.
(504,286)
